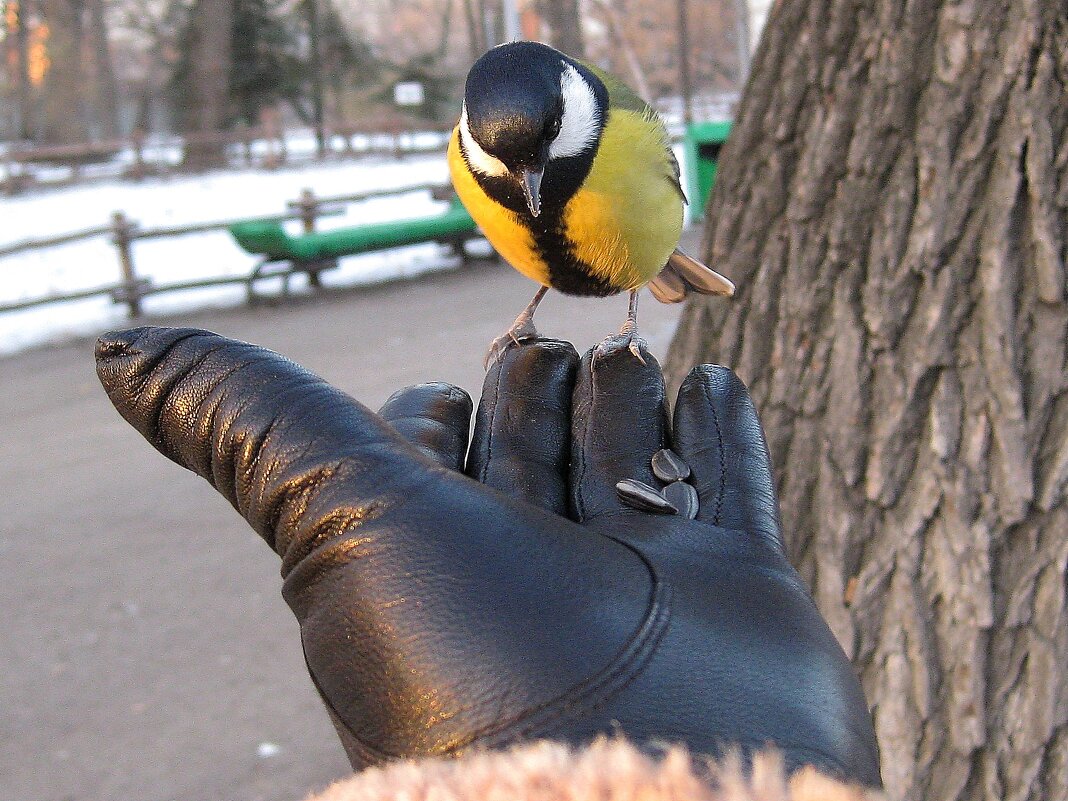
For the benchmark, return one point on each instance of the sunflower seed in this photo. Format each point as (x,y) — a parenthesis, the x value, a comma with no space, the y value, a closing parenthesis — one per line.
(668,466)
(683,497)
(643,497)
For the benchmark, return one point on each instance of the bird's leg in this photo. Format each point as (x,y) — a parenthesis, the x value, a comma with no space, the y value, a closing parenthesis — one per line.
(628,334)
(522,328)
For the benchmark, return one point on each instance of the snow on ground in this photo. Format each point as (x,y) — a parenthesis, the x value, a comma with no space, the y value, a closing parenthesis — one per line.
(192,199)
(180,200)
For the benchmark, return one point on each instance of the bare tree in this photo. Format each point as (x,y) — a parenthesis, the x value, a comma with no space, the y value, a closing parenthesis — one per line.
(106,96)
(644,36)
(475,38)
(16,28)
(893,203)
(565,25)
(64,112)
(155,27)
(208,104)
(621,41)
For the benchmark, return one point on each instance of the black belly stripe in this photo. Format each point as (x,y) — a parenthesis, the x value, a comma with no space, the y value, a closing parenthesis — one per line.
(567,272)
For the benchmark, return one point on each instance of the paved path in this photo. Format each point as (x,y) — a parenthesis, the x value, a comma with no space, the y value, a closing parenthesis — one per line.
(146,652)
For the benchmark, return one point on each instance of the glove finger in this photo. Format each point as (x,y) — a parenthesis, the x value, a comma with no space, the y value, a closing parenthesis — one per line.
(428,604)
(274,439)
(520,444)
(717,433)
(619,420)
(434,419)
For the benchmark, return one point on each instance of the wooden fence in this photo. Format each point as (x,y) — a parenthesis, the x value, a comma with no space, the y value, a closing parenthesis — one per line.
(122,232)
(140,156)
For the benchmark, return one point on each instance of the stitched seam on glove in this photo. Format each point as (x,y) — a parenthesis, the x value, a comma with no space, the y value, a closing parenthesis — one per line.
(481,477)
(582,462)
(720,454)
(595,690)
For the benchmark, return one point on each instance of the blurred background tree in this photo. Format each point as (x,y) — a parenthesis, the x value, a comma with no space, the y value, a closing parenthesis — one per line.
(265,66)
(347,62)
(893,204)
(564,25)
(105,87)
(201,84)
(16,115)
(58,81)
(88,70)
(145,38)
(64,114)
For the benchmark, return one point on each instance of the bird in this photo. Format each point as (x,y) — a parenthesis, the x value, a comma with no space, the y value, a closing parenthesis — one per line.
(570,176)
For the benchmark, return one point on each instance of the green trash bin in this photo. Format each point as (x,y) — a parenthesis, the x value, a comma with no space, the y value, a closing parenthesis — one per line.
(702,142)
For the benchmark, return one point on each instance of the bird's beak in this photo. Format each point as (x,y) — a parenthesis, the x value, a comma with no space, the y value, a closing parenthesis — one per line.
(532,188)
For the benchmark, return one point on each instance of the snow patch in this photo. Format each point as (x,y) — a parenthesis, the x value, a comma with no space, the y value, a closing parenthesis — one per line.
(211,197)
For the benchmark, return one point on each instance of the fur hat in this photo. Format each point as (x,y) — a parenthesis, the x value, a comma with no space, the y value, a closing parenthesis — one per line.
(607,770)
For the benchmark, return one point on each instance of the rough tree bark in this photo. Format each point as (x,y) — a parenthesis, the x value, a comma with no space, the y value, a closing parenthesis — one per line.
(892,204)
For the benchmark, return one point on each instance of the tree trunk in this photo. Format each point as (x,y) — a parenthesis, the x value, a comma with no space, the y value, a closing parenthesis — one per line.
(107,88)
(474,31)
(892,204)
(208,113)
(64,112)
(565,25)
(16,22)
(618,32)
(742,38)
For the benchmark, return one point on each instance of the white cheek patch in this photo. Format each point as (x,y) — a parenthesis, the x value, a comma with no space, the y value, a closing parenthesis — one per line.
(477,158)
(581,120)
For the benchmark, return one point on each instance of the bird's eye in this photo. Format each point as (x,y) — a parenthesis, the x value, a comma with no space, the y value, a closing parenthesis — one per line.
(552,130)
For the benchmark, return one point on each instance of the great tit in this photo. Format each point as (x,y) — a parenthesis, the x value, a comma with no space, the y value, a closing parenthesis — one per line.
(571,178)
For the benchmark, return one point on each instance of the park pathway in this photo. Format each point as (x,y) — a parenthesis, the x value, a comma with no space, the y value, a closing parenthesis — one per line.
(146,651)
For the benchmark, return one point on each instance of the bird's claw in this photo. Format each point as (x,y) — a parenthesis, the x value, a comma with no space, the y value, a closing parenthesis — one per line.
(522,329)
(624,340)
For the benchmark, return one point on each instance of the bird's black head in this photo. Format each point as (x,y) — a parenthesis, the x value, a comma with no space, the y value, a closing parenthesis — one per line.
(526,106)
(514,103)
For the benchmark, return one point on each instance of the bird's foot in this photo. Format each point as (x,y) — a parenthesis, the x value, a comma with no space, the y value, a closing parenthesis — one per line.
(626,339)
(521,329)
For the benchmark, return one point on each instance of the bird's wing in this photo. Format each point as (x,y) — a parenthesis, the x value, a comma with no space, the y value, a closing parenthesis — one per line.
(676,175)
(668,287)
(621,96)
(684,274)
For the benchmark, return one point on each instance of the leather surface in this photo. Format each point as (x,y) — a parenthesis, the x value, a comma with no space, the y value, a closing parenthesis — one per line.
(443,608)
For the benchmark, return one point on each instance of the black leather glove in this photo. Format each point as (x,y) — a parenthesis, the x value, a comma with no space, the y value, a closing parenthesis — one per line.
(447,602)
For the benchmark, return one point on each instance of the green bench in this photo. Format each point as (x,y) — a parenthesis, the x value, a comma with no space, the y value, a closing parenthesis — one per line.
(311,253)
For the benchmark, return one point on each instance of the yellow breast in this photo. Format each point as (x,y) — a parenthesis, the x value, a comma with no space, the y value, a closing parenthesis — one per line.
(501,227)
(626,219)
(623,223)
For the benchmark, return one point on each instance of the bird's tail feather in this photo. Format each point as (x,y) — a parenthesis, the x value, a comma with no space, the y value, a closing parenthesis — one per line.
(684,274)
